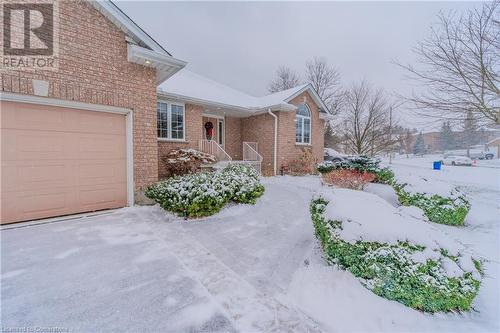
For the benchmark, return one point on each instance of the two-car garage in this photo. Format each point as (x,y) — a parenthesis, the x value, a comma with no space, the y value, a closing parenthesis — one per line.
(62,159)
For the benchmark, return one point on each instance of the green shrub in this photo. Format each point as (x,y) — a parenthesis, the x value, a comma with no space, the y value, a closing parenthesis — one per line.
(384,176)
(204,194)
(438,209)
(359,163)
(389,270)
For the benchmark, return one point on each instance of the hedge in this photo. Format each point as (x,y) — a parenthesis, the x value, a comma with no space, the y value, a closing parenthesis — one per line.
(204,194)
(389,271)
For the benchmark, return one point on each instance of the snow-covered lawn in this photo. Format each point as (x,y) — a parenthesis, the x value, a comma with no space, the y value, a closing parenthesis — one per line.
(250,268)
(271,246)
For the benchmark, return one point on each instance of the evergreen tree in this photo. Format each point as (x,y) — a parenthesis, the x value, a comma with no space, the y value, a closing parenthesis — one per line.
(446,140)
(419,146)
(470,132)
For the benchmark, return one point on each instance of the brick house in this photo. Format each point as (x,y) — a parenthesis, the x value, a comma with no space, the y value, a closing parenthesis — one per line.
(86,137)
(89,140)
(274,129)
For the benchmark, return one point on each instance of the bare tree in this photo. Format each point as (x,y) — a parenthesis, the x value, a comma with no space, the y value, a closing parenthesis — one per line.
(458,66)
(285,78)
(325,80)
(365,122)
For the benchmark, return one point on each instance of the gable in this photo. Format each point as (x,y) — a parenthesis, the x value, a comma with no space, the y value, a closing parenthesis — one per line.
(313,95)
(306,97)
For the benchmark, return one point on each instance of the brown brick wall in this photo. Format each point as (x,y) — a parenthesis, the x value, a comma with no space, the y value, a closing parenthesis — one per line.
(287,148)
(193,135)
(93,56)
(233,138)
(260,129)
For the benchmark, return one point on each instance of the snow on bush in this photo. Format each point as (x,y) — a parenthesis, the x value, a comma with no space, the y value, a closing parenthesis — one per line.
(451,210)
(362,164)
(204,194)
(183,161)
(394,254)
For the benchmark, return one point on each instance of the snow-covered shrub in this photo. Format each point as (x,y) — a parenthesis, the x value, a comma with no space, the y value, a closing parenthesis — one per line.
(352,179)
(384,176)
(182,161)
(204,194)
(360,163)
(419,274)
(438,209)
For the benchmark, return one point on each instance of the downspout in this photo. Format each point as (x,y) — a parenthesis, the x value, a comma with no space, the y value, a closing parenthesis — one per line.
(275,139)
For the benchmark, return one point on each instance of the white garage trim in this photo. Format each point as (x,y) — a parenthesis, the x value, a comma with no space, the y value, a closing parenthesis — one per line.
(12,97)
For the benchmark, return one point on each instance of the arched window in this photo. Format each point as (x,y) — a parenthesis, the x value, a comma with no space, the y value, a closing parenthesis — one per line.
(303,125)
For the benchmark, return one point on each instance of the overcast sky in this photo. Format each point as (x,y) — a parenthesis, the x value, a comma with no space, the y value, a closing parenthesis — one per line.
(241,44)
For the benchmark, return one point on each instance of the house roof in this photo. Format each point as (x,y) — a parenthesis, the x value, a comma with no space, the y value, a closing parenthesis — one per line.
(142,48)
(493,141)
(191,87)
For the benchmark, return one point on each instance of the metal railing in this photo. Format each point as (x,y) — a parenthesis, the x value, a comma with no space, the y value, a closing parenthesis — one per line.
(213,148)
(251,156)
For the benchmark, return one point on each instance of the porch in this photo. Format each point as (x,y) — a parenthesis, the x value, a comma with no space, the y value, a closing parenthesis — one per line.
(250,154)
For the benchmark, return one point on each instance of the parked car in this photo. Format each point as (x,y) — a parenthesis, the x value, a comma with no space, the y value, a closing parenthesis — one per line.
(333,155)
(481,156)
(456,160)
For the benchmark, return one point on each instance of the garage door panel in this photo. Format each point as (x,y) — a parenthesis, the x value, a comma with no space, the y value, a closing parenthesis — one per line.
(28,117)
(58,161)
(58,119)
(100,123)
(46,145)
(101,172)
(20,176)
(91,146)
(23,145)
(34,204)
(102,196)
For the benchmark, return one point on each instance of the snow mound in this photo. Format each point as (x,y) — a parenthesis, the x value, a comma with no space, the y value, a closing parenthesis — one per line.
(369,218)
(419,184)
(384,191)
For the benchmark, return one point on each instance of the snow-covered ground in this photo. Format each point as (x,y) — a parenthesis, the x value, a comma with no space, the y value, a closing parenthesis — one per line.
(250,268)
(271,245)
(336,299)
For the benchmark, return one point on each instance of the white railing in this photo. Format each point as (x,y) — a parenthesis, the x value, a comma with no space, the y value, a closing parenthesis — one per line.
(251,156)
(211,147)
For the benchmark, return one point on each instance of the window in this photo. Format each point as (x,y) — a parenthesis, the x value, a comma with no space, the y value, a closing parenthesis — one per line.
(303,125)
(220,132)
(170,120)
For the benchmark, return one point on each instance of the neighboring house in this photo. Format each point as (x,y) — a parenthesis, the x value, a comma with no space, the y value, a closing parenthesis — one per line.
(85,137)
(431,141)
(493,147)
(278,127)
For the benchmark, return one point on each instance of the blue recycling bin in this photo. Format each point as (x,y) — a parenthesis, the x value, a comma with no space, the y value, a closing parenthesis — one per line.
(437,165)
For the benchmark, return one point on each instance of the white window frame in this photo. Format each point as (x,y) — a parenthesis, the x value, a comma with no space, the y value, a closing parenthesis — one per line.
(222,139)
(301,118)
(169,121)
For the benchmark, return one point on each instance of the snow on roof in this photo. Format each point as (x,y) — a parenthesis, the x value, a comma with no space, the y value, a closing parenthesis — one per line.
(281,96)
(189,85)
(186,83)
(491,141)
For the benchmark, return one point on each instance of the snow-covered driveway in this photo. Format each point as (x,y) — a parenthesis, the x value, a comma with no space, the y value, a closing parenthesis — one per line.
(136,269)
(248,268)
